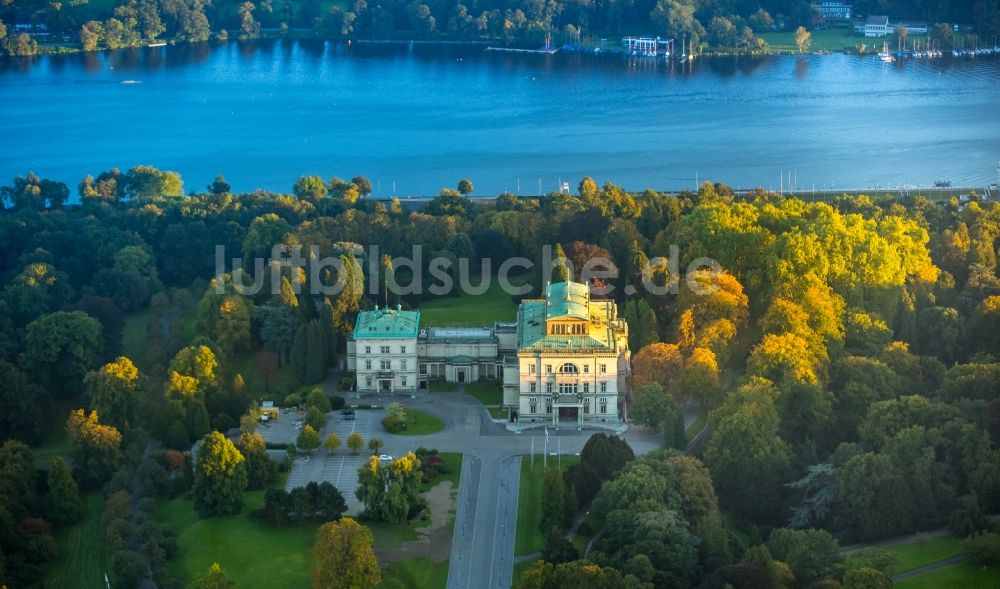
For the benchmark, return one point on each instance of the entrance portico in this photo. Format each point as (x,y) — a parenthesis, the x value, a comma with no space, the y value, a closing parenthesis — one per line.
(569,409)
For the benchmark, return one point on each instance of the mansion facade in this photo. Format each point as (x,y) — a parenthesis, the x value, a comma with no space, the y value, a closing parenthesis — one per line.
(565,359)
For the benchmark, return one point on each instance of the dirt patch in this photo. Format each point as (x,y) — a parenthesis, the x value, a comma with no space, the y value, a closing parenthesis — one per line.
(435,538)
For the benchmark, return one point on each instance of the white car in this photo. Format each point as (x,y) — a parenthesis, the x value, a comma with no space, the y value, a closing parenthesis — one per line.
(384,458)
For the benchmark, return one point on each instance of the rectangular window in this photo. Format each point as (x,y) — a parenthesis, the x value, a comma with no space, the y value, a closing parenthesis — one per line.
(604,387)
(533,387)
(604,404)
(586,405)
(586,388)
(368,364)
(548,405)
(402,349)
(385,349)
(402,364)
(531,368)
(368,381)
(548,387)
(586,368)
(402,381)
(423,369)
(533,404)
(548,369)
(604,368)
(386,365)
(368,349)
(567,388)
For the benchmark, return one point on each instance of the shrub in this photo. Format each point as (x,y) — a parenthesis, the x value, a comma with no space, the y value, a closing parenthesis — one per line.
(393,424)
(337,403)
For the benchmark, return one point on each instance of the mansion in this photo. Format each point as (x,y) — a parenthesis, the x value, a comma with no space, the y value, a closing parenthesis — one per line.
(565,358)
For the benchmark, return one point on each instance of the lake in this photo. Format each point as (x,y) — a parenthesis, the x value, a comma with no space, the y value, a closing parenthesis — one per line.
(415,118)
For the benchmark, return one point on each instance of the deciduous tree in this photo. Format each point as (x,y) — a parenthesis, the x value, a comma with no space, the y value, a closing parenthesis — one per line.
(220,477)
(345,556)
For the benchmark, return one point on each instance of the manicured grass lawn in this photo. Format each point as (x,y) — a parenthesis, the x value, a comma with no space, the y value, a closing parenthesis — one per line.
(963,575)
(497,412)
(835,39)
(415,573)
(56,443)
(81,563)
(914,555)
(488,392)
(280,385)
(134,336)
(469,310)
(419,423)
(696,426)
(441,386)
(527,537)
(453,461)
(255,554)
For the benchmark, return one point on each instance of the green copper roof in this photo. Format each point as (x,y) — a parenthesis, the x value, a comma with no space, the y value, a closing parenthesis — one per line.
(387,323)
(565,299)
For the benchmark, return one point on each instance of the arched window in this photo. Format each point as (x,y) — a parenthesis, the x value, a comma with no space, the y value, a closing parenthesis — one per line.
(568,368)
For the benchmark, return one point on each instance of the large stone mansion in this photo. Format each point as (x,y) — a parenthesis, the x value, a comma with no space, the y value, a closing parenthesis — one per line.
(565,358)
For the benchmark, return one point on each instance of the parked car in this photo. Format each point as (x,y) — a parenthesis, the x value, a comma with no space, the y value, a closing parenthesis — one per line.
(384,458)
(347,417)
(347,412)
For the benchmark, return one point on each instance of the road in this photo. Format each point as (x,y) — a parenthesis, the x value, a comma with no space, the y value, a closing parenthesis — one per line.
(482,549)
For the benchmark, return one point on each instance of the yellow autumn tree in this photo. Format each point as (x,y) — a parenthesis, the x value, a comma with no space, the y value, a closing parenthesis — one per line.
(659,363)
(345,556)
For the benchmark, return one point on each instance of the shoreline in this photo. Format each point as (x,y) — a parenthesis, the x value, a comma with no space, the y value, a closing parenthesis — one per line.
(487,44)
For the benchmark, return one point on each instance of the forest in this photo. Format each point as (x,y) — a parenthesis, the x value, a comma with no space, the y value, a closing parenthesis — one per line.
(734,25)
(848,354)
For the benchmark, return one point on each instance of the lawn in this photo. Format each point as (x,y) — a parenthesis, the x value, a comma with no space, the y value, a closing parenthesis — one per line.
(253,553)
(917,554)
(527,537)
(834,39)
(488,392)
(441,386)
(281,383)
(419,423)
(415,573)
(453,460)
(134,336)
(696,426)
(469,310)
(56,443)
(81,563)
(963,575)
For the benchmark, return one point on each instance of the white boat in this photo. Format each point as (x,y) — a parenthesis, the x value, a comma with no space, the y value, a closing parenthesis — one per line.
(884,55)
(158,44)
(129,82)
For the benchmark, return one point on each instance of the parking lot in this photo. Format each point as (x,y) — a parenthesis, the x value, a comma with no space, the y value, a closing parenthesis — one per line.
(339,469)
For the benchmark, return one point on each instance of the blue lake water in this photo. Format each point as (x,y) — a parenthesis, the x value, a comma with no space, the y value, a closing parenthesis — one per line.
(417,118)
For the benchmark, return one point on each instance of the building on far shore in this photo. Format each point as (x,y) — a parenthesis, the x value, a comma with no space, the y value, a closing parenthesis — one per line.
(566,359)
(833,10)
(876,26)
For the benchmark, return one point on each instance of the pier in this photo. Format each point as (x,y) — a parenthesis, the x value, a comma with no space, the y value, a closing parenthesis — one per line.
(649,46)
